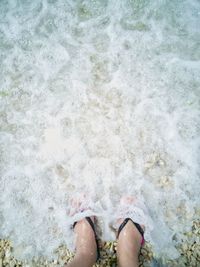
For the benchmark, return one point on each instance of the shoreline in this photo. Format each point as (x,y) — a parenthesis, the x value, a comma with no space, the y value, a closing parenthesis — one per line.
(189,254)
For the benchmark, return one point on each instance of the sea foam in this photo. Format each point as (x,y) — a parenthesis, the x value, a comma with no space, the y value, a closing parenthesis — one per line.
(99,97)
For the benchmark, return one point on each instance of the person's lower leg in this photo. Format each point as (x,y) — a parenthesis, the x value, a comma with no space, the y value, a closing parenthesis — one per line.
(127,256)
(86,251)
(81,260)
(128,248)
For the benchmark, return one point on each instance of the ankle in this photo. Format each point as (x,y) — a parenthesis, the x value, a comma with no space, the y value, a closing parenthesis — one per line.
(127,263)
(87,257)
(81,260)
(127,258)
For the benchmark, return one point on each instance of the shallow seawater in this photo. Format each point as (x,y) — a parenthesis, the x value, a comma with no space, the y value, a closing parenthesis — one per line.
(102,98)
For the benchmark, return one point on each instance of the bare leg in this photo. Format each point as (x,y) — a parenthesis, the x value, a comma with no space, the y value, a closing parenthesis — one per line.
(86,249)
(128,247)
(129,240)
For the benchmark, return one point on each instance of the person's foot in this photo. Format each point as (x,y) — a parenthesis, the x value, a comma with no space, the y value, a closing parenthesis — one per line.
(77,204)
(125,202)
(129,240)
(85,244)
(85,238)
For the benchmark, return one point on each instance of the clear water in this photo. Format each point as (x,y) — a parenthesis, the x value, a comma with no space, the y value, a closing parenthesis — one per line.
(100,97)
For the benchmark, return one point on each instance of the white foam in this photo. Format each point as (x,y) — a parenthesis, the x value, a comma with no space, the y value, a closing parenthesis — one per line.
(98,97)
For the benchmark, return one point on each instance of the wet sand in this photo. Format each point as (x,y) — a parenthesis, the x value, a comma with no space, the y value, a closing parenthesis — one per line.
(189,254)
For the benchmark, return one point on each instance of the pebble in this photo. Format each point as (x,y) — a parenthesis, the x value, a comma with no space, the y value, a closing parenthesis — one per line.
(190,250)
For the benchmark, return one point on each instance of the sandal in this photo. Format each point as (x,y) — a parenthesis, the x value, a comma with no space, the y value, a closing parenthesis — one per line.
(93,228)
(141,231)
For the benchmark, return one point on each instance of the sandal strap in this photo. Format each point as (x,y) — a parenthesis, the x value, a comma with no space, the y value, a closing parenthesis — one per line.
(136,225)
(96,238)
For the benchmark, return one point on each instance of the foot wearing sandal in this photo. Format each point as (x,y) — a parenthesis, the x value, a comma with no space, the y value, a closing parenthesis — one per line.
(87,250)
(130,239)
